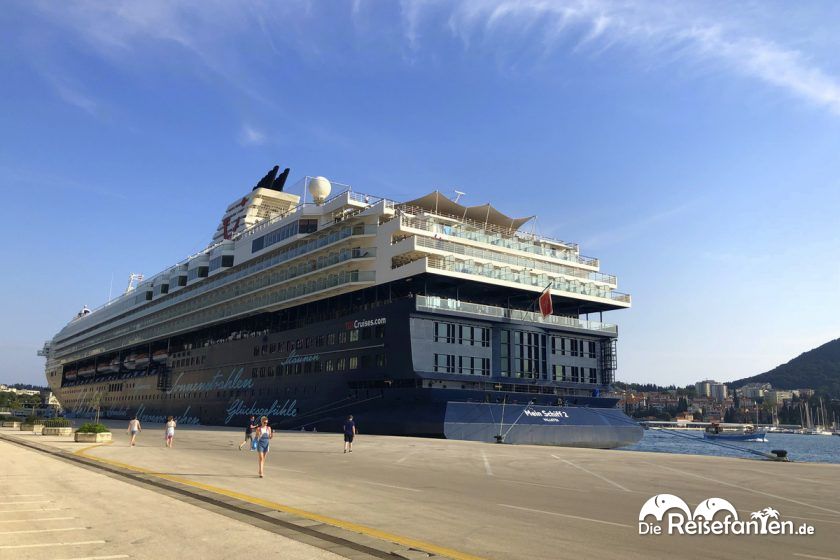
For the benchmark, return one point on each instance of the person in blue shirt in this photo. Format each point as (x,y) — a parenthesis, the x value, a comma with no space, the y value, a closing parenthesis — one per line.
(349,434)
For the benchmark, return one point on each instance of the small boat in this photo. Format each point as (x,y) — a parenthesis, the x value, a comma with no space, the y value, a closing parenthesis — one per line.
(70,374)
(86,371)
(741,433)
(160,355)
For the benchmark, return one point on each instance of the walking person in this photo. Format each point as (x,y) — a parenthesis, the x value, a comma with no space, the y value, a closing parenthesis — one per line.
(349,434)
(249,432)
(170,431)
(264,435)
(133,428)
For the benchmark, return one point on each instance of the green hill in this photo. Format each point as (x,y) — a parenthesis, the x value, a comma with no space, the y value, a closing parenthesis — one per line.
(817,369)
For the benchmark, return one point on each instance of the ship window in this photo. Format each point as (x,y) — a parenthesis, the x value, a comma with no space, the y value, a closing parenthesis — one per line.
(182,281)
(308,341)
(354,362)
(272,348)
(591,345)
(256,350)
(331,339)
(264,349)
(227,260)
(575,374)
(279,370)
(316,367)
(328,366)
(445,363)
(379,331)
(253,372)
(354,335)
(342,337)
(319,340)
(340,364)
(593,375)
(380,360)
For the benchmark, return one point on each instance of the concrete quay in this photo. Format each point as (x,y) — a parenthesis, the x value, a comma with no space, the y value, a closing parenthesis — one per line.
(392,497)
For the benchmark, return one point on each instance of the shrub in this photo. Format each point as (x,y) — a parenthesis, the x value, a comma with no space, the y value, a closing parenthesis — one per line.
(33,420)
(8,418)
(91,428)
(57,423)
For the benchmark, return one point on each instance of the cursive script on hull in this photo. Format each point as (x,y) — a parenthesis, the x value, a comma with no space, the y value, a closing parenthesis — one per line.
(239,408)
(183,418)
(218,382)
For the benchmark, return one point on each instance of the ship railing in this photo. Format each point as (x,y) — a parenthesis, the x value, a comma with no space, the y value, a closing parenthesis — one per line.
(525,262)
(493,235)
(434,303)
(526,278)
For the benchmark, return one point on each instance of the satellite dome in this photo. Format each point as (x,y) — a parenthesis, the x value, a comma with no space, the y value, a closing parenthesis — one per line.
(319,188)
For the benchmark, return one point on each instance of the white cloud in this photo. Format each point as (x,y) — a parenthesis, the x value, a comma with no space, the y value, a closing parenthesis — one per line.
(669,32)
(76,98)
(250,136)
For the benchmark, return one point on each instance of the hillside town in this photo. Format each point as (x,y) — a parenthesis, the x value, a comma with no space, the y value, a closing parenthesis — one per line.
(712,401)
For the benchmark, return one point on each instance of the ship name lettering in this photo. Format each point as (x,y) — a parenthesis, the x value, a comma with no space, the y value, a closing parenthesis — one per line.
(239,408)
(293,358)
(218,382)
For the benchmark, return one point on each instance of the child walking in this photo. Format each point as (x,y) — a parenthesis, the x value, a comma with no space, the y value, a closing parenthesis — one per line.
(133,428)
(170,431)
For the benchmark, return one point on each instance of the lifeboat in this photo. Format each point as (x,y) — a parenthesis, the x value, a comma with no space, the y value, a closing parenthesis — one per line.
(109,367)
(70,374)
(160,355)
(86,371)
(141,360)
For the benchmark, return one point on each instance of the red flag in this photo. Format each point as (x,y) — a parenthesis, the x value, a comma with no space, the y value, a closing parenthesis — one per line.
(546,308)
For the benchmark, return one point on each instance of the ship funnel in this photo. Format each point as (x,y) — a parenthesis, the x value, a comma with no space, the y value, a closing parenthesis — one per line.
(319,188)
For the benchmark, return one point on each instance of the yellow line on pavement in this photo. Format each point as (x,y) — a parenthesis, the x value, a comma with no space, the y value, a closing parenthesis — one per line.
(348,525)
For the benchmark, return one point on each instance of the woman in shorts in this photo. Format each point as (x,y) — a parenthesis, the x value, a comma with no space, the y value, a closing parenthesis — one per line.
(169,435)
(264,435)
(133,428)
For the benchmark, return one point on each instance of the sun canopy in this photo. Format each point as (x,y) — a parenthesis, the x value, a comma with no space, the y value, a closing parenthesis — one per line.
(439,203)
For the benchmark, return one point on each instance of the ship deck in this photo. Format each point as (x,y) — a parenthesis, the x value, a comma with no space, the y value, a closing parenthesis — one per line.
(453,499)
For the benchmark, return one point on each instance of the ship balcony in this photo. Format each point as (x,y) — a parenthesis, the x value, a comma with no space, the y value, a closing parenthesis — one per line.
(525,264)
(487,236)
(438,304)
(537,282)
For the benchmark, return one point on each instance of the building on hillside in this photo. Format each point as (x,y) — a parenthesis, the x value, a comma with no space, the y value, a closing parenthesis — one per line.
(703,388)
(718,391)
(754,390)
(778,396)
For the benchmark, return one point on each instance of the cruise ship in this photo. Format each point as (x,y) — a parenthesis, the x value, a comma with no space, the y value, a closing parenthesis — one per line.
(422,318)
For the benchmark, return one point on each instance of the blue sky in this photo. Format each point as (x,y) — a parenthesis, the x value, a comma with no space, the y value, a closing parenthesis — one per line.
(693,148)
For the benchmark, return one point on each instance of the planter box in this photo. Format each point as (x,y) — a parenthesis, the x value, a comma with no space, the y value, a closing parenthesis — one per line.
(57,431)
(11,424)
(31,428)
(93,438)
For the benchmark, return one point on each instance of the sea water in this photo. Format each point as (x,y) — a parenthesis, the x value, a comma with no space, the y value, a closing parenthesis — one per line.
(812,449)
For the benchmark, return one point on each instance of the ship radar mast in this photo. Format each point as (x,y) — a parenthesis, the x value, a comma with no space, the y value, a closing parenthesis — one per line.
(134,280)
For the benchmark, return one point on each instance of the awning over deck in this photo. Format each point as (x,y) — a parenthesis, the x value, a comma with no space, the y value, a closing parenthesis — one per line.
(439,203)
